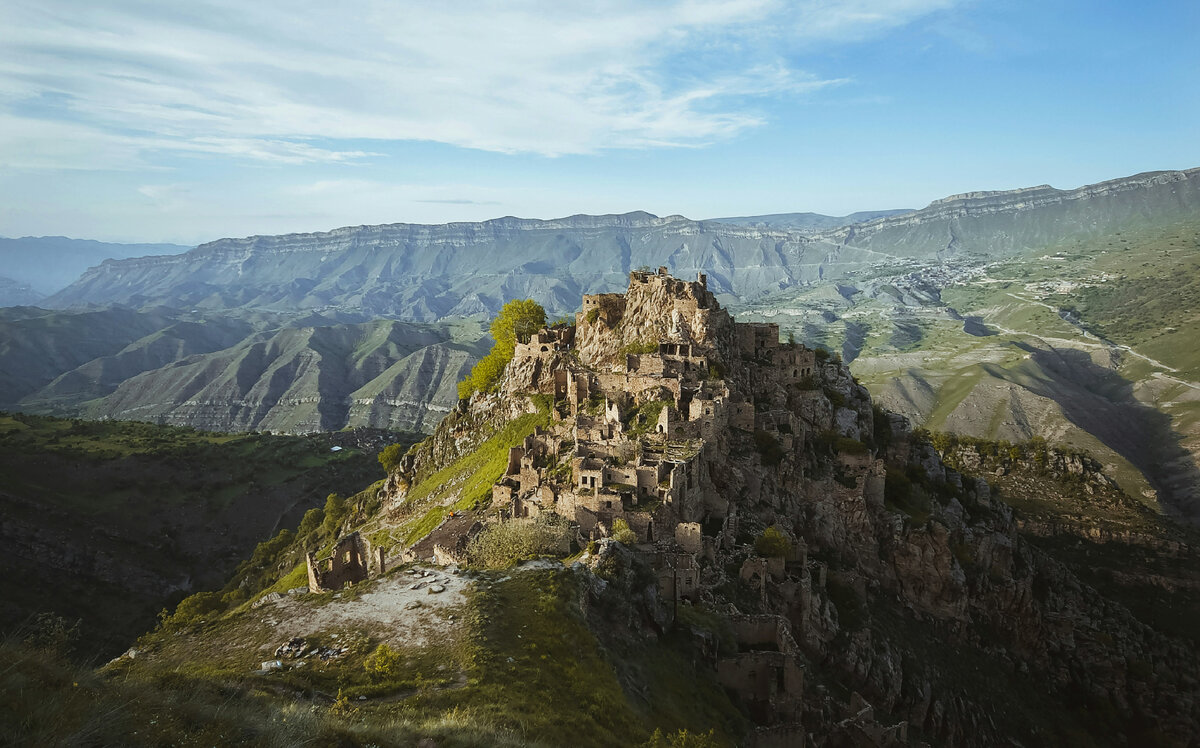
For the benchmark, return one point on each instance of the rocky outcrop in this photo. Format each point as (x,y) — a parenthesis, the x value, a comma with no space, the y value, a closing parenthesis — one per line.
(900,577)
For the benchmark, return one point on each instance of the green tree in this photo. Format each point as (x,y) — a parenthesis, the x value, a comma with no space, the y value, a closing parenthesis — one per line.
(622,534)
(312,520)
(772,543)
(336,510)
(390,457)
(517,321)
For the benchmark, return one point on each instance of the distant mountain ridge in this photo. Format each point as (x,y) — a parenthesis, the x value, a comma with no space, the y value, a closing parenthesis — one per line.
(17,293)
(50,263)
(808,222)
(430,272)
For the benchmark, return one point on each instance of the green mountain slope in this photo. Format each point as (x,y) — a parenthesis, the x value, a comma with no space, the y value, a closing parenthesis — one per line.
(1085,342)
(233,372)
(110,522)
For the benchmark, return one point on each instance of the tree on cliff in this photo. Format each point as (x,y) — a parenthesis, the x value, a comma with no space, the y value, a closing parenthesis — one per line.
(517,321)
(390,457)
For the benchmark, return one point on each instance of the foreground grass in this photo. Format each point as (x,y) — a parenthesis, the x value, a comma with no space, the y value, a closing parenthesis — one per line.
(521,666)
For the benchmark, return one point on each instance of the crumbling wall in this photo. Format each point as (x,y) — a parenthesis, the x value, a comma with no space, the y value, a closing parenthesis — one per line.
(349,563)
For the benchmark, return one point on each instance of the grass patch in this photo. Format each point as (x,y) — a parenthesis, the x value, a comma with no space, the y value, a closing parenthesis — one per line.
(468,480)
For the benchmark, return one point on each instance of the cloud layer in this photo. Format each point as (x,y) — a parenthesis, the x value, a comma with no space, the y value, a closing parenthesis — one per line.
(124,84)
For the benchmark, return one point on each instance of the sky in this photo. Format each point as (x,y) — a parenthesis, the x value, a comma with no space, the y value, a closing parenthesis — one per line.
(151,121)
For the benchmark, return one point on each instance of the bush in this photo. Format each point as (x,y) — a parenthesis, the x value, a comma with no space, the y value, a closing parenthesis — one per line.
(683,739)
(851,608)
(390,457)
(336,510)
(881,427)
(640,346)
(770,451)
(384,663)
(772,543)
(622,534)
(312,520)
(503,544)
(851,446)
(194,608)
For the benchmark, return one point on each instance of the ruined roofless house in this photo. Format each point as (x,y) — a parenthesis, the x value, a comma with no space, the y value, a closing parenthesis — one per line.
(349,563)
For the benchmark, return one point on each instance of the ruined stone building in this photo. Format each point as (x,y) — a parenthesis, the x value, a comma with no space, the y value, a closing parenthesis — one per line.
(351,561)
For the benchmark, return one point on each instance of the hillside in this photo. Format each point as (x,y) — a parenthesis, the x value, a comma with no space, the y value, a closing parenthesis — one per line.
(1001,315)
(110,522)
(1081,342)
(730,537)
(17,293)
(807,222)
(227,372)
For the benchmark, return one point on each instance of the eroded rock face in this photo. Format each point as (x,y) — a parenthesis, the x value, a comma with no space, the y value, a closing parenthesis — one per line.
(905,581)
(656,308)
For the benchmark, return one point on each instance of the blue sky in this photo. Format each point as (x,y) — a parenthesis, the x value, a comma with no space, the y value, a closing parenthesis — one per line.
(150,121)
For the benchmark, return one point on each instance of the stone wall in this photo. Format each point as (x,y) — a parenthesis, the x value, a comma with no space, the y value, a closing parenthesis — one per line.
(349,563)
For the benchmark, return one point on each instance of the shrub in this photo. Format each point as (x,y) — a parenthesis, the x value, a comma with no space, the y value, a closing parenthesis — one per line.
(851,608)
(683,739)
(851,446)
(390,457)
(336,510)
(881,427)
(622,534)
(312,520)
(897,487)
(503,544)
(640,346)
(770,451)
(384,663)
(593,315)
(192,609)
(772,543)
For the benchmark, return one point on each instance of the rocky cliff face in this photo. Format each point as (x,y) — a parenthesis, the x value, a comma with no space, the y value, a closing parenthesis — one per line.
(1010,221)
(904,590)
(431,272)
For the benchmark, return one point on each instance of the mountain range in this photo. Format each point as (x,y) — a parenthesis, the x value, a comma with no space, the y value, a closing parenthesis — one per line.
(428,273)
(965,315)
(36,266)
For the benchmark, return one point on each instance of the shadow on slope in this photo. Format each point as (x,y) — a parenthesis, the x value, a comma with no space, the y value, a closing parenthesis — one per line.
(1101,402)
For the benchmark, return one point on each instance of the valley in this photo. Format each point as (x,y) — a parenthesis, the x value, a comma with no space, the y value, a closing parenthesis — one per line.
(1085,343)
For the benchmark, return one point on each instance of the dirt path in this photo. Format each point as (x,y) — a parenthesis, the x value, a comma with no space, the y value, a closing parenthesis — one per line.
(392,609)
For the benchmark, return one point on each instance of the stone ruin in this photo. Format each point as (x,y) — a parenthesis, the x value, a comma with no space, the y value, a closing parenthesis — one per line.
(351,561)
(647,391)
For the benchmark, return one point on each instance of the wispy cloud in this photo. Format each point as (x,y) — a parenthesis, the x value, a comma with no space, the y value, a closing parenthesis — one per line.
(264,81)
